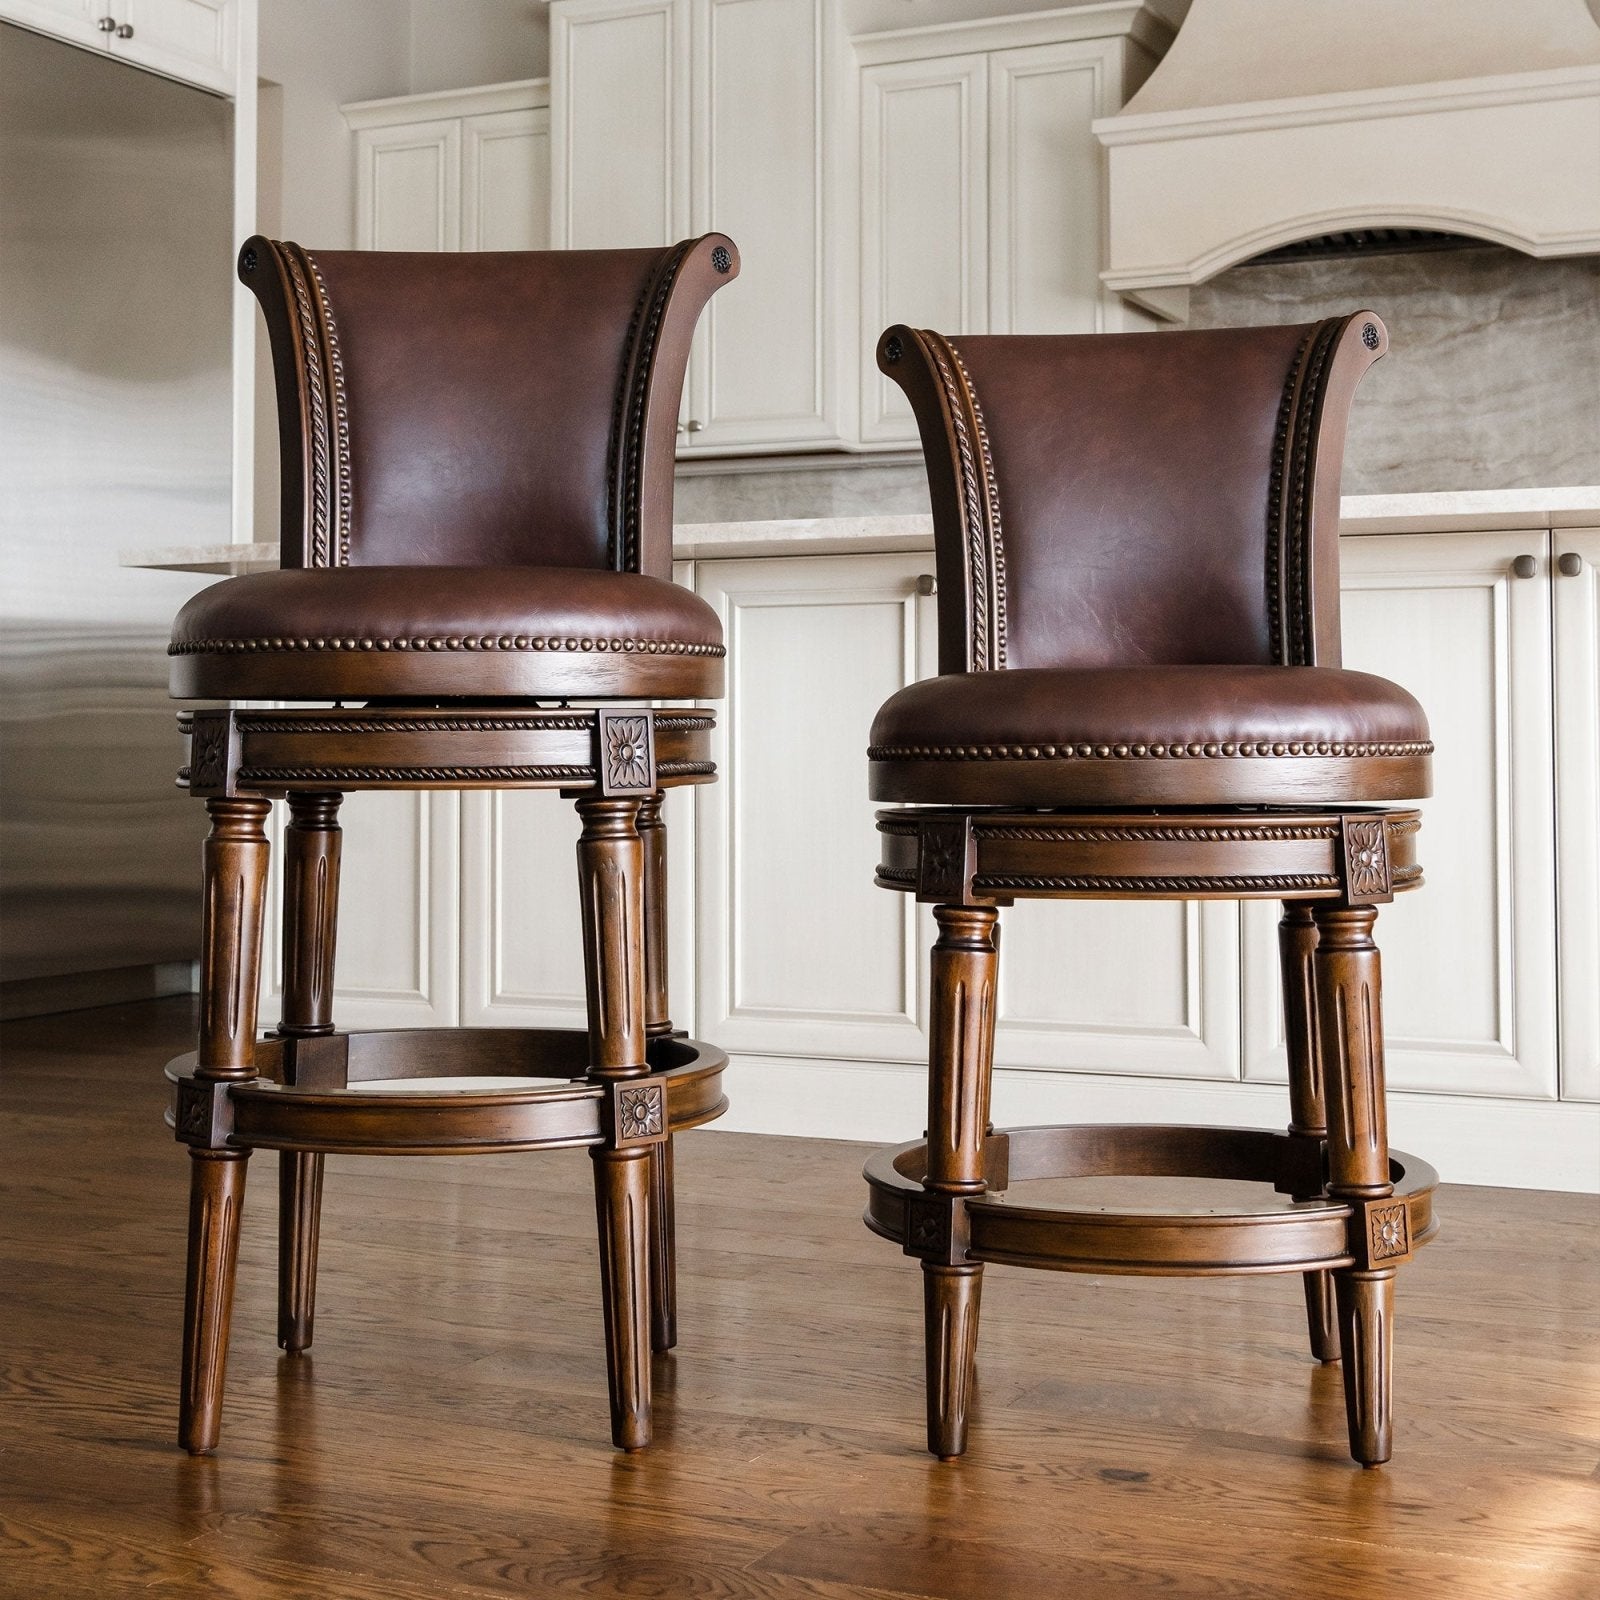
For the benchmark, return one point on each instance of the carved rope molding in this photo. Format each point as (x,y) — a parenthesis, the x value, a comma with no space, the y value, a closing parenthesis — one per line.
(426,723)
(628,419)
(398,774)
(1288,500)
(980,508)
(341,414)
(319,452)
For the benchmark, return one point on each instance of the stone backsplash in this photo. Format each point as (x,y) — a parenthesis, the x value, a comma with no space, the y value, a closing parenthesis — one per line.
(1492,382)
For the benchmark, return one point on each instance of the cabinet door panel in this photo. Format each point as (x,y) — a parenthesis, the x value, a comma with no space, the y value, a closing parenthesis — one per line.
(1577,622)
(1469,958)
(758,176)
(924,200)
(505,181)
(620,135)
(1115,986)
(396,963)
(1046,194)
(408,187)
(800,952)
(188,39)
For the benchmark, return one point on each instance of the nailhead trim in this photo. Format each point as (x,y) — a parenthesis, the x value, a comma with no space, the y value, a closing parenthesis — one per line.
(1070,752)
(487,641)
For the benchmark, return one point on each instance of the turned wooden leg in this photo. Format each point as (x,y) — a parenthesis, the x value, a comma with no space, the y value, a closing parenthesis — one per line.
(310,928)
(961,1055)
(235,873)
(611,889)
(657,1025)
(1350,1017)
(1308,1115)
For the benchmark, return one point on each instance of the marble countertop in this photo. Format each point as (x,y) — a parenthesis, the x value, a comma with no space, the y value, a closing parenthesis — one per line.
(1459,512)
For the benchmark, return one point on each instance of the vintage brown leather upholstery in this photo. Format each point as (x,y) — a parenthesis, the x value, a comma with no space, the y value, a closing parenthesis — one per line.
(1248,735)
(477,455)
(1137,546)
(360,632)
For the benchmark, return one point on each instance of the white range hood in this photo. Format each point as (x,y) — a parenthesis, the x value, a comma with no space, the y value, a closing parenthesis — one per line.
(1271,121)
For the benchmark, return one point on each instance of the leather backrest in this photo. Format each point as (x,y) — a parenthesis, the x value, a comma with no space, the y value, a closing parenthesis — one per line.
(1125,499)
(467,409)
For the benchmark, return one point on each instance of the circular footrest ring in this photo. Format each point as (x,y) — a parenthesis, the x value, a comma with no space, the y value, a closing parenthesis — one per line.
(348,1093)
(1301,1236)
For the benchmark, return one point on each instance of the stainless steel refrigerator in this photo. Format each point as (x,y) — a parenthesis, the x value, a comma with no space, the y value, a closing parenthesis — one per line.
(115,285)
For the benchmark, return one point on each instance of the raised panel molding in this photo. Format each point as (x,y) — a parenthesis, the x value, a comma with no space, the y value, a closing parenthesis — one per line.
(924,215)
(1116,986)
(608,191)
(1045,181)
(1577,686)
(799,951)
(1469,959)
(408,187)
(760,173)
(505,180)
(397,963)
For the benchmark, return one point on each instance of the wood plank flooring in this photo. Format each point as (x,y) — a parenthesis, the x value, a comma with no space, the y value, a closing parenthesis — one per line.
(447,1435)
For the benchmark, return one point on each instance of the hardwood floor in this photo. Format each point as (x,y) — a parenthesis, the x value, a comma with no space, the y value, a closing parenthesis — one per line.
(447,1436)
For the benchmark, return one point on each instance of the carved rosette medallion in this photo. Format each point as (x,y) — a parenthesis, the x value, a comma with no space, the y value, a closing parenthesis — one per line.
(627,759)
(945,860)
(1388,1233)
(639,1113)
(210,737)
(1366,859)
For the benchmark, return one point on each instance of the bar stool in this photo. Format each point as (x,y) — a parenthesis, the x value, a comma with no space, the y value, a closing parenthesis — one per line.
(1140,697)
(477,468)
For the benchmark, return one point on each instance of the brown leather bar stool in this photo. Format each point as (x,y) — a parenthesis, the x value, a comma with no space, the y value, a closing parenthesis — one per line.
(1139,696)
(477,462)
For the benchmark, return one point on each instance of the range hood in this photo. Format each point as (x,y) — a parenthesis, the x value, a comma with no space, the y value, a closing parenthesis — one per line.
(1269,122)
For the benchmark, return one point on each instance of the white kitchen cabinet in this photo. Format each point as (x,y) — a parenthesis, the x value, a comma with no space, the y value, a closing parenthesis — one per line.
(464,170)
(801,954)
(1470,958)
(679,117)
(1576,595)
(981,186)
(195,41)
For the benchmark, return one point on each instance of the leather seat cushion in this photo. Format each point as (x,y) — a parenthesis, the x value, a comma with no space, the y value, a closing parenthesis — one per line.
(372,632)
(1134,736)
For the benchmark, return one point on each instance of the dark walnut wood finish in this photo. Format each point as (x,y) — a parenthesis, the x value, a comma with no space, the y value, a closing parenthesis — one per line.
(1140,697)
(477,472)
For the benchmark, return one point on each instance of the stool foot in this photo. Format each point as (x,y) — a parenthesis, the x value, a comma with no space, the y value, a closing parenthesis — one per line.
(950,1306)
(299,1219)
(663,1250)
(1322,1321)
(1366,1336)
(216,1198)
(622,1206)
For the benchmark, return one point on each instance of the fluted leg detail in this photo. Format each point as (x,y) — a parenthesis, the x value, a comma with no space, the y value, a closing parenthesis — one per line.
(950,1298)
(312,850)
(299,1214)
(611,888)
(1350,1017)
(965,975)
(234,885)
(216,1199)
(1297,947)
(663,1249)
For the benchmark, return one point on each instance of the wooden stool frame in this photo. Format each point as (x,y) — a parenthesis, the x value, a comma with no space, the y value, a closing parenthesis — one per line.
(1355,1210)
(622,1089)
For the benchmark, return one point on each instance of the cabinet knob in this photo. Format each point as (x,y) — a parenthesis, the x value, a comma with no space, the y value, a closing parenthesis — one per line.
(107,24)
(1569,564)
(694,425)
(1524,567)
(927,583)
(125,31)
